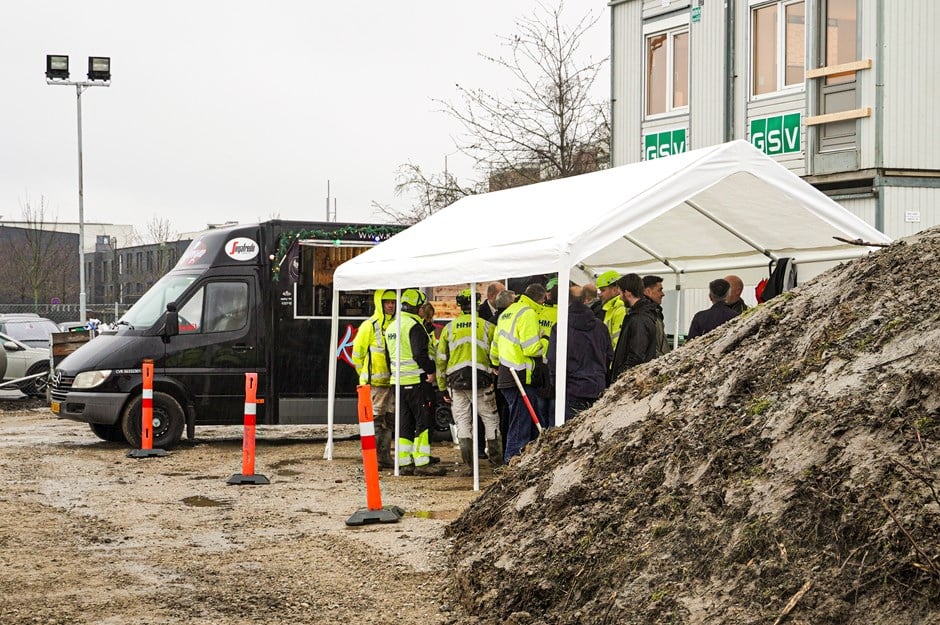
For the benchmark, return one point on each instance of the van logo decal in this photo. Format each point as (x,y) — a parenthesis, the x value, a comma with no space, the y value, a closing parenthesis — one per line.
(241,248)
(344,351)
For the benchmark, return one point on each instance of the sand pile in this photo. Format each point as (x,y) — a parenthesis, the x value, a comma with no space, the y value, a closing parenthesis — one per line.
(784,468)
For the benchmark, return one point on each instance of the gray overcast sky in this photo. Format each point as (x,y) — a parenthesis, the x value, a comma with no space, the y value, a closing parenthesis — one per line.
(242,110)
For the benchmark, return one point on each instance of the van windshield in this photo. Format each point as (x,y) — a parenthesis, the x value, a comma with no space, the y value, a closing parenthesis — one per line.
(153,303)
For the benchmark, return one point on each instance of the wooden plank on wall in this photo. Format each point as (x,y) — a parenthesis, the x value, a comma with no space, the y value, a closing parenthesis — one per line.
(828,118)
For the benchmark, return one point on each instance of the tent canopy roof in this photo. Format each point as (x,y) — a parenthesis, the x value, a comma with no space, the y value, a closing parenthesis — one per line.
(703,214)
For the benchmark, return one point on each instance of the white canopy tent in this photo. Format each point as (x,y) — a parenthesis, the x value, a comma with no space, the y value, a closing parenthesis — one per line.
(690,217)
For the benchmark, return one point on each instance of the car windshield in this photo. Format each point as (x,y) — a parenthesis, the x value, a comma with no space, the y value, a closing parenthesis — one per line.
(31,330)
(148,308)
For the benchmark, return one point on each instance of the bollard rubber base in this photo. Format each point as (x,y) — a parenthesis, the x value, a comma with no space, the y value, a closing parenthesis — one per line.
(388,514)
(256,479)
(146,453)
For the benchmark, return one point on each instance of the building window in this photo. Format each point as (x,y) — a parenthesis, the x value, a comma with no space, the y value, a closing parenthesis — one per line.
(778,39)
(841,24)
(667,71)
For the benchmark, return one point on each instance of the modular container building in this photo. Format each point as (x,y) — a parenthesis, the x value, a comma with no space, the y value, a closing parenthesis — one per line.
(839,91)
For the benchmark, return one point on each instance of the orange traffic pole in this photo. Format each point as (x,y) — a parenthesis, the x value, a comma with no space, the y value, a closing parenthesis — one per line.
(146,407)
(247,476)
(146,416)
(373,512)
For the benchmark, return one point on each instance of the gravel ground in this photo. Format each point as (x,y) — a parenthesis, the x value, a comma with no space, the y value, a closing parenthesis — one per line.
(88,535)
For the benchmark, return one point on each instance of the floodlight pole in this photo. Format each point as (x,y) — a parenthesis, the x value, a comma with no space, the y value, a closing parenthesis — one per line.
(79,87)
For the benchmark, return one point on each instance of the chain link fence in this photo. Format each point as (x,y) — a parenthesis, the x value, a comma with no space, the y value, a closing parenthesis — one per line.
(62,313)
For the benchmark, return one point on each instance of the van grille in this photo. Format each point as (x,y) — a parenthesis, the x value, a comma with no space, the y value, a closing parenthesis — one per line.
(60,386)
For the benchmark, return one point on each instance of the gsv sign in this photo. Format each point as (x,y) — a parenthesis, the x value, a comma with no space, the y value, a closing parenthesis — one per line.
(780,134)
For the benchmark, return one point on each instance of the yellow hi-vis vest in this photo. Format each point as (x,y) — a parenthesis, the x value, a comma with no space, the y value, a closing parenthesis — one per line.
(455,347)
(518,341)
(410,372)
(368,350)
(614,312)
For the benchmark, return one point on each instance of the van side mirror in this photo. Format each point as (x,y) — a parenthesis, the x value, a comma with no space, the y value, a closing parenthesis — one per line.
(171,323)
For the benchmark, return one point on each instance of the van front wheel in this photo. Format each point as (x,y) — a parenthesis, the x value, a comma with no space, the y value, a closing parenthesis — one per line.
(168,421)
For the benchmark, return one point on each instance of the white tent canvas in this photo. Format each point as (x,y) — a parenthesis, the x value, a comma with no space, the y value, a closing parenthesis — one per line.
(697,214)
(690,217)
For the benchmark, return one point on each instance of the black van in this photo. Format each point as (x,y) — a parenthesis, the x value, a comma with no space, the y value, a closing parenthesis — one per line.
(253,298)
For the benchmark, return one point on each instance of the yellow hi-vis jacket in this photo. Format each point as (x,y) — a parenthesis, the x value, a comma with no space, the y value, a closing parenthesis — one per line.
(518,343)
(455,347)
(548,317)
(368,350)
(410,372)
(614,313)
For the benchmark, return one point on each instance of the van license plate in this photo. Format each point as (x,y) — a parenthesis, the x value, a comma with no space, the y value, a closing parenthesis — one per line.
(55,407)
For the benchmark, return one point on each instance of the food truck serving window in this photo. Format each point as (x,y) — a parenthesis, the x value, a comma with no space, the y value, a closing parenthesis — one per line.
(314,287)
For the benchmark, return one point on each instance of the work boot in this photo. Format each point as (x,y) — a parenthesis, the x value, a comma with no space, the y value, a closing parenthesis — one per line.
(383,449)
(494,452)
(466,450)
(466,454)
(408,469)
(430,470)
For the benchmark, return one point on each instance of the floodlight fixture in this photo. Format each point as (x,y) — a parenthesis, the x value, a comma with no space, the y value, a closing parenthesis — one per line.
(57,66)
(99,68)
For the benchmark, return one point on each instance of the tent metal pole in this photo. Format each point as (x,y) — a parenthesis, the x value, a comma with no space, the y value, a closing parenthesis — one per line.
(561,336)
(731,230)
(680,300)
(397,377)
(475,412)
(649,251)
(331,377)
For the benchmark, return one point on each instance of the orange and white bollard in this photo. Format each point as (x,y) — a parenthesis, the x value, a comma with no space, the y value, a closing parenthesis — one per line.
(373,512)
(248,476)
(146,416)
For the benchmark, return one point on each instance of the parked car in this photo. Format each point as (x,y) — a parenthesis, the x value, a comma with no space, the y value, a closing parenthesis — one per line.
(22,361)
(29,328)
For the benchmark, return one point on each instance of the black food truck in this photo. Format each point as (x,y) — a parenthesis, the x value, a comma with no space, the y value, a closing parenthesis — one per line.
(244,299)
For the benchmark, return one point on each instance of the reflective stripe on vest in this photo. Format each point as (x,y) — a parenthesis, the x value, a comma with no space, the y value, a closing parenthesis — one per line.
(408,372)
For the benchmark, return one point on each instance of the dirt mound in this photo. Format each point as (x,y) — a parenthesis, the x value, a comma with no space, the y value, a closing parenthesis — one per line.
(782,468)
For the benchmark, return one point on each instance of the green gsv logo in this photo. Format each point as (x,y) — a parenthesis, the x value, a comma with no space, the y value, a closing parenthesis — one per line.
(659,144)
(777,135)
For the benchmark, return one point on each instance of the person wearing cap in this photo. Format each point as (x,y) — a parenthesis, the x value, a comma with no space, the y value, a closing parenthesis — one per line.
(369,359)
(707,320)
(613,308)
(412,369)
(455,350)
(517,346)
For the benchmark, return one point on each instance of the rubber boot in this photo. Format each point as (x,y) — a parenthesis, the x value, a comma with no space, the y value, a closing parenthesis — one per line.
(466,454)
(494,451)
(383,448)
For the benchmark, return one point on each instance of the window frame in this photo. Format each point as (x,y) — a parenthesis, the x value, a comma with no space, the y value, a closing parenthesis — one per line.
(671,27)
(781,87)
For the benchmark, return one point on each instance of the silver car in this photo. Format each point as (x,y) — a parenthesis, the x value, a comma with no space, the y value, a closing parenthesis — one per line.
(23,361)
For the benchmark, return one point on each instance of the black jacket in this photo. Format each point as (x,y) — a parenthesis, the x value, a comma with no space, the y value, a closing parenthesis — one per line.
(639,339)
(589,353)
(707,320)
(484,312)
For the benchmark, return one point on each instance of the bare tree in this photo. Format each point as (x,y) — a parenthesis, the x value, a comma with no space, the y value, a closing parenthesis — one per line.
(34,271)
(431,192)
(159,230)
(546,127)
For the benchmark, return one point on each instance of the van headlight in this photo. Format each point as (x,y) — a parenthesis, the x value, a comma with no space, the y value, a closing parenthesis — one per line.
(90,379)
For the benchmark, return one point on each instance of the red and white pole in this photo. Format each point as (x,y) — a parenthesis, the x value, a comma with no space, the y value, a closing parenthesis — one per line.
(247,476)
